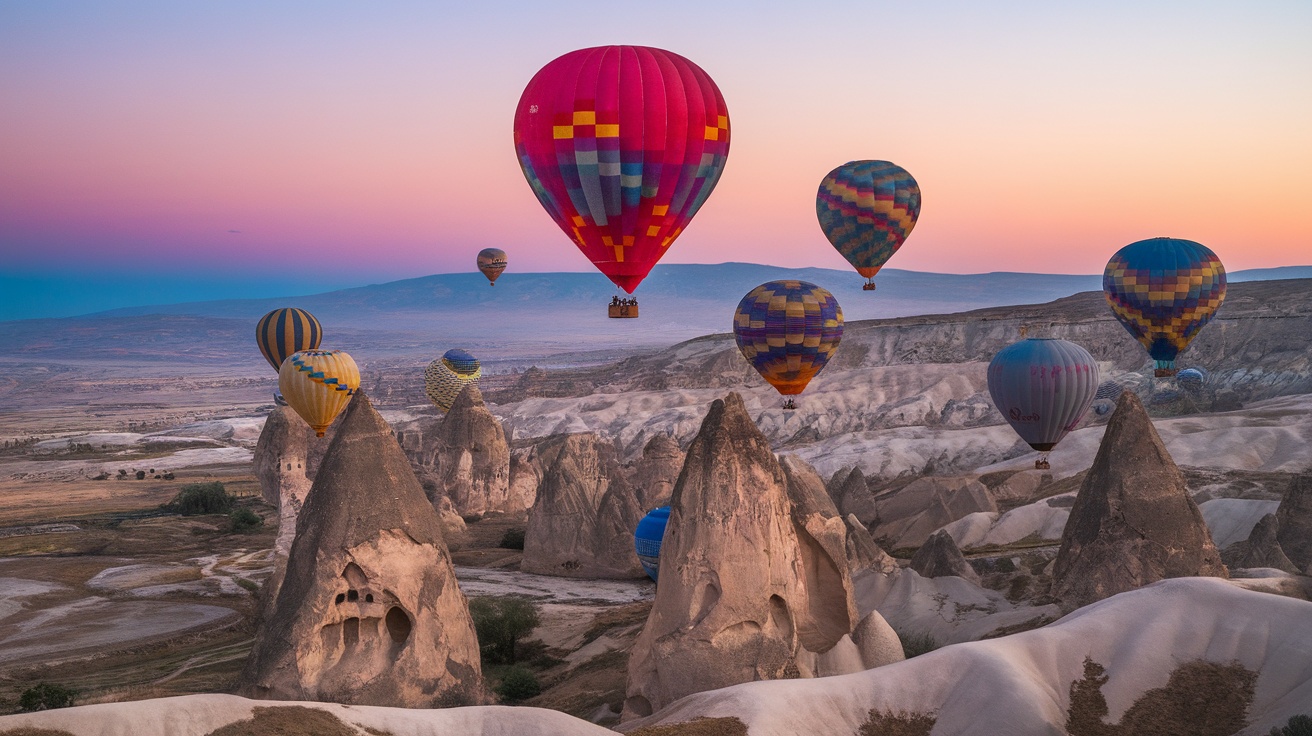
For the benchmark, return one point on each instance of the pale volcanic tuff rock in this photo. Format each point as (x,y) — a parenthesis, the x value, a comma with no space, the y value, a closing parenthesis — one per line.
(1261,549)
(863,553)
(657,470)
(852,496)
(908,516)
(939,556)
(470,458)
(1133,522)
(1295,522)
(754,586)
(582,523)
(369,611)
(282,458)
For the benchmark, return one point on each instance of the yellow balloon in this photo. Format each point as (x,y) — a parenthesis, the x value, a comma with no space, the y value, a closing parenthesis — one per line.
(318,384)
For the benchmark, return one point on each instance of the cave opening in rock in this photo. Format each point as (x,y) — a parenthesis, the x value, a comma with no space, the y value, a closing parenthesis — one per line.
(398,624)
(351,631)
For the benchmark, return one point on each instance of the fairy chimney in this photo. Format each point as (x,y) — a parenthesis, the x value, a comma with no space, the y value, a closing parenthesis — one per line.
(369,612)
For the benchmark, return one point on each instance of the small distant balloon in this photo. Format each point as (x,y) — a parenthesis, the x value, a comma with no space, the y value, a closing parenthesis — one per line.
(1164,290)
(318,384)
(647,539)
(866,210)
(1043,387)
(788,330)
(492,261)
(445,377)
(285,331)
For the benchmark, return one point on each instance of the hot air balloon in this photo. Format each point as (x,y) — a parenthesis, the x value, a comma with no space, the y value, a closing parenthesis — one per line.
(492,261)
(285,331)
(647,539)
(867,209)
(1104,399)
(1164,290)
(1191,379)
(788,330)
(1043,387)
(446,376)
(622,145)
(318,384)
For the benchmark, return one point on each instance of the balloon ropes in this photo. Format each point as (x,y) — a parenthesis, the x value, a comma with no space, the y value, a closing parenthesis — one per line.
(1043,387)
(647,539)
(867,209)
(445,377)
(788,330)
(622,145)
(1164,290)
(318,384)
(492,261)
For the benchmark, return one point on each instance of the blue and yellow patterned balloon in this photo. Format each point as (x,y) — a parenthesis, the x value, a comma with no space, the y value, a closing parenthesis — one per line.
(285,331)
(447,376)
(867,209)
(1164,290)
(788,330)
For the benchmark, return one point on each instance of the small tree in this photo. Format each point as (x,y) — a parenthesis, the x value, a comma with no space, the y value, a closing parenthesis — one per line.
(242,521)
(44,696)
(200,498)
(518,684)
(1297,726)
(501,623)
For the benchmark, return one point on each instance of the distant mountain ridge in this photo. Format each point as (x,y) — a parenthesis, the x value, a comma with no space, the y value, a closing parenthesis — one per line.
(524,317)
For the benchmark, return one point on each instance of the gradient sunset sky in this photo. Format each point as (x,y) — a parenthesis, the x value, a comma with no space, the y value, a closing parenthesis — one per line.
(255,148)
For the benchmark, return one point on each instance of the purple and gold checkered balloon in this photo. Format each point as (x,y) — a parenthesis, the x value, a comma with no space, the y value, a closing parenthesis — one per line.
(1164,290)
(788,330)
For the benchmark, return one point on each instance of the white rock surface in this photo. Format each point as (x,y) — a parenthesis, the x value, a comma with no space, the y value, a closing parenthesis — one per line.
(1020,684)
(1232,519)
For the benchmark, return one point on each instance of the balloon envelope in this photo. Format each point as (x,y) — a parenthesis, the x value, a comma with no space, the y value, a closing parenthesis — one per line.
(491,261)
(1043,387)
(622,145)
(445,377)
(285,331)
(1164,290)
(1191,379)
(318,384)
(647,539)
(867,209)
(788,330)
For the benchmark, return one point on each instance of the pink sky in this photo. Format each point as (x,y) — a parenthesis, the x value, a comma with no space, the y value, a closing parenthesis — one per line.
(377,139)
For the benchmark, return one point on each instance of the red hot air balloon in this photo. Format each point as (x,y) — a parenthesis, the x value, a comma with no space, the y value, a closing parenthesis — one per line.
(622,145)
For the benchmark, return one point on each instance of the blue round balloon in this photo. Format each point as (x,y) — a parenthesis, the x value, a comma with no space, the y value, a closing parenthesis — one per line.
(647,539)
(1191,379)
(460,361)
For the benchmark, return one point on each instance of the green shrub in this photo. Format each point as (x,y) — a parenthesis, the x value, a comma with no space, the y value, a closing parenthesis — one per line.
(44,696)
(200,498)
(518,684)
(513,539)
(242,521)
(500,624)
(1297,726)
(914,645)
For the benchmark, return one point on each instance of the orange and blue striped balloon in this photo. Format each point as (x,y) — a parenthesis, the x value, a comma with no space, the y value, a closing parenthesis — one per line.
(867,209)
(1164,290)
(285,331)
(788,330)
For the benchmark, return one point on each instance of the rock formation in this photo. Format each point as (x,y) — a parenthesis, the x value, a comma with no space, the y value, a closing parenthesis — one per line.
(1295,522)
(470,457)
(1133,521)
(1261,549)
(282,458)
(863,553)
(908,516)
(853,496)
(759,588)
(582,523)
(655,473)
(369,612)
(939,557)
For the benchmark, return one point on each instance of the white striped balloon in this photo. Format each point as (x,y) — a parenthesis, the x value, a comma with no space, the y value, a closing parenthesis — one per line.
(1043,387)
